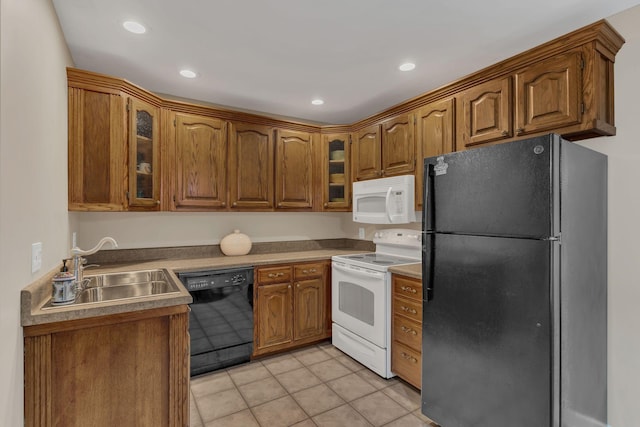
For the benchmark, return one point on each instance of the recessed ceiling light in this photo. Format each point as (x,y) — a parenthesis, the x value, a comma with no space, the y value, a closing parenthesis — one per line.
(134,27)
(188,74)
(407,66)
(317,102)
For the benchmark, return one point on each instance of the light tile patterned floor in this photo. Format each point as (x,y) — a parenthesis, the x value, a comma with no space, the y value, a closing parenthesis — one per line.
(315,386)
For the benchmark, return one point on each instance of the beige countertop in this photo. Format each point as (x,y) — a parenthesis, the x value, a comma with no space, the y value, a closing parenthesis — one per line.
(35,298)
(411,270)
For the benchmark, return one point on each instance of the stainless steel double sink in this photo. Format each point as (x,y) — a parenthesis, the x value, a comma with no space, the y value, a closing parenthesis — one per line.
(131,284)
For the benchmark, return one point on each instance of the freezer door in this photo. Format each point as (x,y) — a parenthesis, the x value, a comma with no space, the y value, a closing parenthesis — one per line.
(503,190)
(487,331)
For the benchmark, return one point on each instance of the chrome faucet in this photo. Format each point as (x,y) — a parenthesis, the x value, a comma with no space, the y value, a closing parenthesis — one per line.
(78,260)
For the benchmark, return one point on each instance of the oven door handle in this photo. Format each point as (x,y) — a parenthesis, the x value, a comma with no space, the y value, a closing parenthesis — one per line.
(348,270)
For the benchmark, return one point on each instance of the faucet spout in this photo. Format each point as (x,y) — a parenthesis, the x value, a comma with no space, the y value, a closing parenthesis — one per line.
(78,261)
(76,251)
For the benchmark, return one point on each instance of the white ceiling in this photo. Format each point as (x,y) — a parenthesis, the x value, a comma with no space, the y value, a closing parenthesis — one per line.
(275,56)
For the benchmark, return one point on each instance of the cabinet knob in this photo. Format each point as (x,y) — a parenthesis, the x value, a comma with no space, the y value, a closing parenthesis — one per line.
(280,204)
(305,271)
(289,286)
(157,202)
(234,204)
(313,270)
(505,133)
(520,131)
(223,204)
(326,205)
(297,285)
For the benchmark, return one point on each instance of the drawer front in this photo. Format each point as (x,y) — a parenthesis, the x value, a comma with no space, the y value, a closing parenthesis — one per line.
(408,308)
(305,271)
(407,332)
(406,363)
(274,275)
(408,288)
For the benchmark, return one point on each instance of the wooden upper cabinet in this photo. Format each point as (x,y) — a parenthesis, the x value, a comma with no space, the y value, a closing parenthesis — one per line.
(201,155)
(97,163)
(251,158)
(398,146)
(294,170)
(435,130)
(336,179)
(366,156)
(484,113)
(549,94)
(144,155)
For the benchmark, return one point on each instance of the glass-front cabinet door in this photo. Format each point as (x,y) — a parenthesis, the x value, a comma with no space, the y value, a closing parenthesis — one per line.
(144,159)
(336,177)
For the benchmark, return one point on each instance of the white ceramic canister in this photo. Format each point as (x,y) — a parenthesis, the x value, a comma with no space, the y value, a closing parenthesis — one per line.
(235,243)
(64,288)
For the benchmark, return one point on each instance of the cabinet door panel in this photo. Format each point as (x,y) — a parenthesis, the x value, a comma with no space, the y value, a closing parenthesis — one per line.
(201,162)
(274,316)
(548,95)
(366,155)
(398,146)
(97,150)
(144,155)
(336,180)
(435,137)
(294,170)
(485,115)
(251,151)
(309,309)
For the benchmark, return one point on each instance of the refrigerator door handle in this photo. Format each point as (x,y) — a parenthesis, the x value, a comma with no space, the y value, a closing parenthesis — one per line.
(430,200)
(430,261)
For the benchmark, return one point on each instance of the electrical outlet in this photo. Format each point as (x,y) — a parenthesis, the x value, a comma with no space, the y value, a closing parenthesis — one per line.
(36,257)
(361,233)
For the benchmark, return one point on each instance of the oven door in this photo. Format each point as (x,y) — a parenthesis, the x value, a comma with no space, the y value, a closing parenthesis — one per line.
(358,301)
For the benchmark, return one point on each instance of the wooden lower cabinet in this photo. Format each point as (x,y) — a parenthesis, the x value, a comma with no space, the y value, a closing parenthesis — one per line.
(406,329)
(290,306)
(123,369)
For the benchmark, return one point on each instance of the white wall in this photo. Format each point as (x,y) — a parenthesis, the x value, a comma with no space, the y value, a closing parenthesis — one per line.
(623,151)
(33,171)
(161,229)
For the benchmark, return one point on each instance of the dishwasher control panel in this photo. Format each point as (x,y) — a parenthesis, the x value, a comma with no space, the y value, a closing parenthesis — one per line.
(215,279)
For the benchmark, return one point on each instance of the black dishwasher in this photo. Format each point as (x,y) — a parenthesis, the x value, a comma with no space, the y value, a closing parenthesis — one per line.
(221,317)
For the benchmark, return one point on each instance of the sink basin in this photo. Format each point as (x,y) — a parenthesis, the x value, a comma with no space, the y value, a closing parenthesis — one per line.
(131,284)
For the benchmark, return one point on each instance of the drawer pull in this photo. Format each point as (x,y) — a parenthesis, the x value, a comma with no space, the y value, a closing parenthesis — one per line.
(408,357)
(408,289)
(409,330)
(274,275)
(408,309)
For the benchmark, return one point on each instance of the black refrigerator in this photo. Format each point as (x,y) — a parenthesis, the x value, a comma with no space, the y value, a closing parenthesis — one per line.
(515,286)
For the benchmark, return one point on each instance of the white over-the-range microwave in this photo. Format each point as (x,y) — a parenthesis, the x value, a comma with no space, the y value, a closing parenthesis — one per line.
(385,200)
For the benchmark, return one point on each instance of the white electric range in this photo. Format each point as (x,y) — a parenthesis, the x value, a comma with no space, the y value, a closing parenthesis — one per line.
(361,297)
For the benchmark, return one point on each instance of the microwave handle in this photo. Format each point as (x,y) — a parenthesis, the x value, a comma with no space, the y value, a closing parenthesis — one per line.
(386,205)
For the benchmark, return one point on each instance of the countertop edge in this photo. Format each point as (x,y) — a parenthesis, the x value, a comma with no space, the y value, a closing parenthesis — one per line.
(410,270)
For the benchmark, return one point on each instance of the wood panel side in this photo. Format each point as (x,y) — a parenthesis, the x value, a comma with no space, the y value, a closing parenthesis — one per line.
(179,375)
(37,381)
